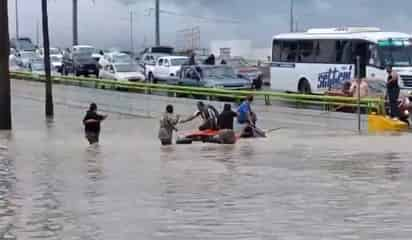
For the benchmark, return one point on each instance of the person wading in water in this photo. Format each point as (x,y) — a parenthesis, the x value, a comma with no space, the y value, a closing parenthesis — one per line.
(91,124)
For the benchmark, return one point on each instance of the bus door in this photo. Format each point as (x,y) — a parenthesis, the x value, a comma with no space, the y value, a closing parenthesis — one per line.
(361,49)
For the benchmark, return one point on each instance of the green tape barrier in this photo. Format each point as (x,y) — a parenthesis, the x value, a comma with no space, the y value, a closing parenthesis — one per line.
(371,104)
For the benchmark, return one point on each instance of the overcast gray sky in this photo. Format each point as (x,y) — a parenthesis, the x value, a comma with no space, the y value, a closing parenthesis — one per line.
(105,23)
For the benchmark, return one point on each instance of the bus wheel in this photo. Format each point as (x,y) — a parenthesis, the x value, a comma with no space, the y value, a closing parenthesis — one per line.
(304,86)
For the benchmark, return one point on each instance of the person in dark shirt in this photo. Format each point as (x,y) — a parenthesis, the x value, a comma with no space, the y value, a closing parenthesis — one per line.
(91,123)
(393,91)
(226,118)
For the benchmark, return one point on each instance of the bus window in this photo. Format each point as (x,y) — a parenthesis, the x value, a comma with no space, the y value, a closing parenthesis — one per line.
(306,51)
(276,50)
(374,59)
(325,51)
(289,51)
(343,52)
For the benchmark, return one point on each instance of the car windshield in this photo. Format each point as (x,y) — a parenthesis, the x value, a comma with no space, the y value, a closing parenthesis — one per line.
(126,68)
(122,58)
(179,61)
(84,50)
(218,72)
(25,45)
(399,56)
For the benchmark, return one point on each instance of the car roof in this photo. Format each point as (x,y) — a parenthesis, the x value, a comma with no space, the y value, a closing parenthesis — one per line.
(83,46)
(175,57)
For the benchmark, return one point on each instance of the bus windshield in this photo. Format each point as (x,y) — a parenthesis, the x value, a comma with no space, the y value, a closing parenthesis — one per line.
(398,56)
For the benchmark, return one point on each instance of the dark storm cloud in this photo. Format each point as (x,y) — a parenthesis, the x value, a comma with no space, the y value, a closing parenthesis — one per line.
(105,23)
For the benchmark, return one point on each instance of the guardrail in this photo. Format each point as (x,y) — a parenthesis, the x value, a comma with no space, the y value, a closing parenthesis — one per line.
(329,103)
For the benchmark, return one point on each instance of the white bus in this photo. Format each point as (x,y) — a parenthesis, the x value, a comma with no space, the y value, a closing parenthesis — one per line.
(321,59)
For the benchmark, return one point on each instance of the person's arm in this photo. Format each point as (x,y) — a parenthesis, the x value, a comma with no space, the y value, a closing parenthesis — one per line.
(352,89)
(101,117)
(191,118)
(394,77)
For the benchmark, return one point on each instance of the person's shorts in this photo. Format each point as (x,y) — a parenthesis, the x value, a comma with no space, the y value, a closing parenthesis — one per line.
(92,137)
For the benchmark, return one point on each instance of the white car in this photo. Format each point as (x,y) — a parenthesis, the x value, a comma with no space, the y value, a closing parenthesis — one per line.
(167,68)
(148,63)
(13,63)
(53,52)
(25,57)
(56,62)
(36,66)
(114,58)
(122,72)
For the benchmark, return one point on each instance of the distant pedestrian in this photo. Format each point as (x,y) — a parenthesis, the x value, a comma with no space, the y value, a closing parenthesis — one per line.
(168,124)
(210,60)
(91,123)
(192,60)
(393,92)
(223,62)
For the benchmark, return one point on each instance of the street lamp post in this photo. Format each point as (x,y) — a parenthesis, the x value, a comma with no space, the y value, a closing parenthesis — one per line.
(17,18)
(5,96)
(157,13)
(131,33)
(292,17)
(75,29)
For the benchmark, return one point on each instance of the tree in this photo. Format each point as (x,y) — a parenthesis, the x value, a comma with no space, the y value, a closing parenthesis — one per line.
(5,97)
(46,45)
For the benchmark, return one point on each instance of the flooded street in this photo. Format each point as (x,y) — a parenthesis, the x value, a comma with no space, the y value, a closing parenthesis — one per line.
(305,181)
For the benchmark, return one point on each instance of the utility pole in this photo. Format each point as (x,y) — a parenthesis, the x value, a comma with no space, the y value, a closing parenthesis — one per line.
(292,17)
(5,97)
(157,14)
(17,18)
(75,30)
(46,45)
(131,33)
(37,33)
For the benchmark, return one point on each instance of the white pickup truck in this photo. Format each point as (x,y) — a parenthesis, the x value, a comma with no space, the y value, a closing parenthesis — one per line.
(167,68)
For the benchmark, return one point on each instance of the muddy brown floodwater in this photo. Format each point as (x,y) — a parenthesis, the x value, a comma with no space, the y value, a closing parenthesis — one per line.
(305,181)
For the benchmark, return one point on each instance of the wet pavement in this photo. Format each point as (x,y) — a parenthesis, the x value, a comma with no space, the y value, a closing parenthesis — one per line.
(305,181)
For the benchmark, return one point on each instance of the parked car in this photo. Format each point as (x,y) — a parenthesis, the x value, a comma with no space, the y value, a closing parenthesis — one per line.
(13,63)
(167,68)
(22,44)
(36,66)
(56,63)
(79,61)
(115,57)
(212,76)
(121,72)
(24,58)
(246,70)
(148,63)
(53,52)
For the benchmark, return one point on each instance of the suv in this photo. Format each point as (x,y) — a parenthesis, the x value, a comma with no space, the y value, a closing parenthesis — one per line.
(246,70)
(211,76)
(79,61)
(167,68)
